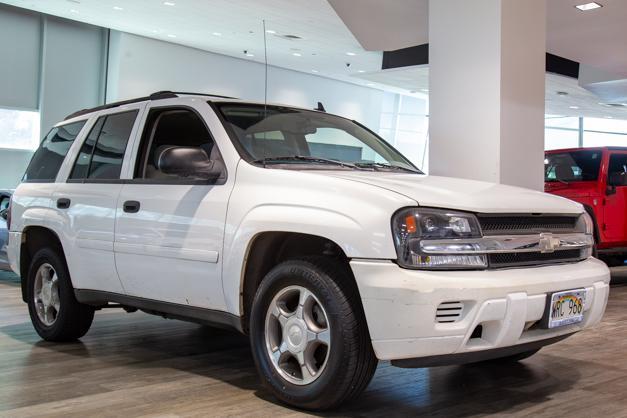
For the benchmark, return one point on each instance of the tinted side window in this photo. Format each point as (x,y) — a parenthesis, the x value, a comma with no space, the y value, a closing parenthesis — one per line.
(617,170)
(173,127)
(47,160)
(81,165)
(102,152)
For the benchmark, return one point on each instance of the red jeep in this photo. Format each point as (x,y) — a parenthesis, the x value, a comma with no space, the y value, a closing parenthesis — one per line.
(596,178)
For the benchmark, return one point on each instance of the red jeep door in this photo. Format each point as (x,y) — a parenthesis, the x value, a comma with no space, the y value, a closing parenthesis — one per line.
(616,198)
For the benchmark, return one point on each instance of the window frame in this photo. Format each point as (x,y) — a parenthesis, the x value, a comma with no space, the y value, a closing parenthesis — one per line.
(95,118)
(136,164)
(609,162)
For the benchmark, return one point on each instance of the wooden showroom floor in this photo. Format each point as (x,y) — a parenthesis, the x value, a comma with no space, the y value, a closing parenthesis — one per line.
(139,365)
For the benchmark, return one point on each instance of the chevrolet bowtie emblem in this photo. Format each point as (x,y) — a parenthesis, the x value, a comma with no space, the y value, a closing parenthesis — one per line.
(548,243)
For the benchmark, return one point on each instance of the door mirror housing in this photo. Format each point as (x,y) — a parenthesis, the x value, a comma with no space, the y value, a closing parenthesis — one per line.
(187,162)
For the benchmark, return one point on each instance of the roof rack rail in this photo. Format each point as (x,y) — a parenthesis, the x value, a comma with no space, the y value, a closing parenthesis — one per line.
(159,95)
(154,96)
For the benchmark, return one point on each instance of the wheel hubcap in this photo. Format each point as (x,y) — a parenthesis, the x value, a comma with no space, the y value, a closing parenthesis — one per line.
(298,338)
(46,294)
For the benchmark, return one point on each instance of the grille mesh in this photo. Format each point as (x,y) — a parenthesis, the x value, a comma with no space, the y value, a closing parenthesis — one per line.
(532,259)
(501,225)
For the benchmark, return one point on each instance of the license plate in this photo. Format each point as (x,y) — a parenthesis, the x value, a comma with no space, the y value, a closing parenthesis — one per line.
(566,308)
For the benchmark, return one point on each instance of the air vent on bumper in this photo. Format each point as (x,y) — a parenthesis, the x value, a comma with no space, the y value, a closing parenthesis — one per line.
(449,312)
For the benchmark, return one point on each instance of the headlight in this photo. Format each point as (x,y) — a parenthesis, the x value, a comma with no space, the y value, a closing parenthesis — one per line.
(411,226)
(585,223)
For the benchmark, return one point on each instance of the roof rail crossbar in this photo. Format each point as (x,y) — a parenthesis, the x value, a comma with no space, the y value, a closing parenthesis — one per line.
(160,95)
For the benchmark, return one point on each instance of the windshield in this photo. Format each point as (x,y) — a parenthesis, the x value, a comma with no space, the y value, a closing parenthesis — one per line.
(297,138)
(572,166)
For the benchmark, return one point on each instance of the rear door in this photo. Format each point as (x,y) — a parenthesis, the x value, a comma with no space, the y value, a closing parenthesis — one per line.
(169,228)
(616,198)
(85,201)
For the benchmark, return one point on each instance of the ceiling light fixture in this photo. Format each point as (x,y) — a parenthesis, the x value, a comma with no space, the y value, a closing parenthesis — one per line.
(74,11)
(118,8)
(360,71)
(573,107)
(216,34)
(352,54)
(248,54)
(169,3)
(370,84)
(314,71)
(171,35)
(270,31)
(297,54)
(425,90)
(589,6)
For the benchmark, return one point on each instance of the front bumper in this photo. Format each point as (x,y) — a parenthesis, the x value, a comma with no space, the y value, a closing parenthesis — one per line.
(401,305)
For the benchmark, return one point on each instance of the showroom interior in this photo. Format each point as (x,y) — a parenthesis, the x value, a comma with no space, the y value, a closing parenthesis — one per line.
(522,104)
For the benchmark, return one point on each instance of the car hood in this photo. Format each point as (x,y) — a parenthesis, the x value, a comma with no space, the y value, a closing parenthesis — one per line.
(469,195)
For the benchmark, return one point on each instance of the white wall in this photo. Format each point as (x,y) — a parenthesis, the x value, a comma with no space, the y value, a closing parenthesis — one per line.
(140,66)
(13,163)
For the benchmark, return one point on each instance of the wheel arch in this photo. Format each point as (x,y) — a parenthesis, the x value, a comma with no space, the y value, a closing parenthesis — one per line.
(267,249)
(35,237)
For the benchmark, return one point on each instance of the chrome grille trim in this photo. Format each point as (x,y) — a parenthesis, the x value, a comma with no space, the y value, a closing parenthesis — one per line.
(501,244)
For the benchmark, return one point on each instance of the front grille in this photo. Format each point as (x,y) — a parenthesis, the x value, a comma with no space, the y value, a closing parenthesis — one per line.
(526,224)
(533,258)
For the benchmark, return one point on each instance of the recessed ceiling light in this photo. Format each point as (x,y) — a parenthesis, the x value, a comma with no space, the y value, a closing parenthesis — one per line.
(270,31)
(74,11)
(360,71)
(169,3)
(609,117)
(573,107)
(297,54)
(118,8)
(314,71)
(370,84)
(171,35)
(351,54)
(425,90)
(588,6)
(249,54)
(216,34)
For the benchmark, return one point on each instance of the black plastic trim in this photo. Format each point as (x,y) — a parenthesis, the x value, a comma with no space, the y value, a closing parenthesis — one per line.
(475,356)
(169,310)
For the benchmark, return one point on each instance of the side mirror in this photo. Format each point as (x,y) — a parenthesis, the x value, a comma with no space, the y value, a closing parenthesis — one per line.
(187,162)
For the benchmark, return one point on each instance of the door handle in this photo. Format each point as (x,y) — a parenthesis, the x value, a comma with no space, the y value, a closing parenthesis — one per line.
(131,206)
(63,203)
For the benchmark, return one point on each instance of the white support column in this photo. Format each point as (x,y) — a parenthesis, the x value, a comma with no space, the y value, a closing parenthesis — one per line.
(486,75)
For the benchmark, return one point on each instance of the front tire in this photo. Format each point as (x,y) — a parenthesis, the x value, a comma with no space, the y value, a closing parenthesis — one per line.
(309,336)
(54,311)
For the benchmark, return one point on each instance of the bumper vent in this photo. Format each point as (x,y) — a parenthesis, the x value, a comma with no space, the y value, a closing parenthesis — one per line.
(526,224)
(449,312)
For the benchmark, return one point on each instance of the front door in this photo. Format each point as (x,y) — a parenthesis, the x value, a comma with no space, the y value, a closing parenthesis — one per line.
(170,228)
(616,199)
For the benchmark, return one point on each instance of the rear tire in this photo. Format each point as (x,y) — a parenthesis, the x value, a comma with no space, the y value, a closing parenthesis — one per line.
(54,311)
(343,362)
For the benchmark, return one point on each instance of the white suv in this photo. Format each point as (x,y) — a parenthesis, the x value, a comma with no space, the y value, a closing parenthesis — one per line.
(302,229)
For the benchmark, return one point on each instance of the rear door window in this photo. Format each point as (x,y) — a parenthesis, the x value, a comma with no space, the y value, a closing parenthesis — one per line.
(47,160)
(102,153)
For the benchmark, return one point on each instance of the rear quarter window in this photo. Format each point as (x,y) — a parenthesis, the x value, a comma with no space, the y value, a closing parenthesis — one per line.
(48,158)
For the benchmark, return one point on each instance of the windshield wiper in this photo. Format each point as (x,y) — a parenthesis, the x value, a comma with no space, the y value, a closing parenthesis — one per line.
(304,158)
(388,166)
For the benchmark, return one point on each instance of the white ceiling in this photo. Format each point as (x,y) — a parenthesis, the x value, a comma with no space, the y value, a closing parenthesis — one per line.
(323,48)
(231,27)
(576,101)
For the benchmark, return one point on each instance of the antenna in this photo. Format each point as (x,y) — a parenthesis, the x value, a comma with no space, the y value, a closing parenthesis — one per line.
(265,86)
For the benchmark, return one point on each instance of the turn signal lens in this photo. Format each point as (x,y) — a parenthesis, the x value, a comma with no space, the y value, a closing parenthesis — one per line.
(410,224)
